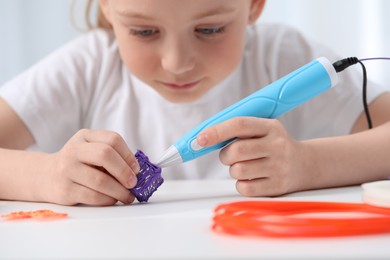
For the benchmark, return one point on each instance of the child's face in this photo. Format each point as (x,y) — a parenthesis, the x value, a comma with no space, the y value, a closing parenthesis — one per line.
(181,48)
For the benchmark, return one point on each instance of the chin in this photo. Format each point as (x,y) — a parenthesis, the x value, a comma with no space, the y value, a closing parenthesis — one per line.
(176,98)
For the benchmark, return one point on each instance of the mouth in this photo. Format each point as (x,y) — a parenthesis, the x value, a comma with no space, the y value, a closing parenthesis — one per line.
(180,86)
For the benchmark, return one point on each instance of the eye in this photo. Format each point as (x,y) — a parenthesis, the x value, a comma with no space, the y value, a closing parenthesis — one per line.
(144,32)
(212,31)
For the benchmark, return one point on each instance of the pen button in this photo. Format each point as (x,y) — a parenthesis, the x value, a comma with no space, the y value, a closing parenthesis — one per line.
(195,146)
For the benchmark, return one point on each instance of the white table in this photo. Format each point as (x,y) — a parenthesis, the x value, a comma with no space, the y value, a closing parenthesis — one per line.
(175,224)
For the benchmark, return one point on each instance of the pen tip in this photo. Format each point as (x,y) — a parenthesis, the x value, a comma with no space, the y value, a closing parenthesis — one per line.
(170,157)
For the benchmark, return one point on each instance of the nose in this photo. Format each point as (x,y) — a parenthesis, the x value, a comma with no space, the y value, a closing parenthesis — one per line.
(177,56)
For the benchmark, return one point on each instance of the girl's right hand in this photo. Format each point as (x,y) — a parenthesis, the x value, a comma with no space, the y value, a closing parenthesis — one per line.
(94,167)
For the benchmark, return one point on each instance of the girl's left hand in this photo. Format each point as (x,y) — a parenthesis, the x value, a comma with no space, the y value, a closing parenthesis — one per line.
(264,159)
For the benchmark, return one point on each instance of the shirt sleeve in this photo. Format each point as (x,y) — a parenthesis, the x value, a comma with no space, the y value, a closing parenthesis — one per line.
(49,96)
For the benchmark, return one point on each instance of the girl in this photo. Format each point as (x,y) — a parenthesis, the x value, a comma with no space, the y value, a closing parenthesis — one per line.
(153,71)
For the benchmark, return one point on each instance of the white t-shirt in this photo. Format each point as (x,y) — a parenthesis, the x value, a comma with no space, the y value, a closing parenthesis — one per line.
(85,85)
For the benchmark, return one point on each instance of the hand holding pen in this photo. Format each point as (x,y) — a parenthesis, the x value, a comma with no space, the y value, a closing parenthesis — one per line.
(264,159)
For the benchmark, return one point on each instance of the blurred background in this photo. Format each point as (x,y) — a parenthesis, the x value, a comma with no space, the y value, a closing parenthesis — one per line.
(29,30)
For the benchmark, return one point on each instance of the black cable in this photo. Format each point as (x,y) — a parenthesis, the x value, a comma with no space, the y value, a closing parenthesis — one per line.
(364,94)
(341,65)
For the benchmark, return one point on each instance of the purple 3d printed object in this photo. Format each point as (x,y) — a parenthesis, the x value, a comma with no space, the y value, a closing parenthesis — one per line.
(148,179)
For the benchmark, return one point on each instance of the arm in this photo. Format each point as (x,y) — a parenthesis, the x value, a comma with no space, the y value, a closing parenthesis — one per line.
(266,161)
(92,168)
(360,157)
(13,132)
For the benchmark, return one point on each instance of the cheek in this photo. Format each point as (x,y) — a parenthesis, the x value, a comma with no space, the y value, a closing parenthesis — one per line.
(139,57)
(225,56)
(140,62)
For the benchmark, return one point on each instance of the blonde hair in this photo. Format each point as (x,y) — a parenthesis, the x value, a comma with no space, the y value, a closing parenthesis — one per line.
(100,22)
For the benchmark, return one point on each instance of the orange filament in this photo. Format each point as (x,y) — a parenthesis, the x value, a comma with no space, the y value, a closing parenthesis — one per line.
(299,219)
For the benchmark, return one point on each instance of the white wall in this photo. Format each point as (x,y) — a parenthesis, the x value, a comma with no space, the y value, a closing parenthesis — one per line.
(31,29)
(359,28)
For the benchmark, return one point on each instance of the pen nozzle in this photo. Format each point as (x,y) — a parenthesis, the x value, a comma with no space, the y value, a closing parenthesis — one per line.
(170,157)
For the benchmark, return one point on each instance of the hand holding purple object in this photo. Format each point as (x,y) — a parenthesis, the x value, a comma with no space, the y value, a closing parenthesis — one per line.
(148,179)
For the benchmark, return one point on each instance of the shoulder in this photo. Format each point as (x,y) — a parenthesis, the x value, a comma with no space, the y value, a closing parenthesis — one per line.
(94,46)
(275,31)
(281,48)
(80,60)
(76,67)
(278,37)
(94,39)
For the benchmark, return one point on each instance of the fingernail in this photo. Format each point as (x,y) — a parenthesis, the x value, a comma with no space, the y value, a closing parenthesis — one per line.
(202,140)
(135,167)
(132,181)
(130,199)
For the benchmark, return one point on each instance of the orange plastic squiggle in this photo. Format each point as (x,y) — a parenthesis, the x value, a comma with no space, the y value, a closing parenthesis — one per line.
(38,214)
(287,219)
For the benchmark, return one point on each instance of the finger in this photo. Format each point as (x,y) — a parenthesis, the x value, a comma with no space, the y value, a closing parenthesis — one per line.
(114,140)
(103,155)
(84,195)
(241,127)
(103,184)
(250,170)
(244,150)
(264,187)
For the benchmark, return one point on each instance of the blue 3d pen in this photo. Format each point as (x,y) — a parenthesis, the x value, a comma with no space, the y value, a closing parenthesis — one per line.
(269,102)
